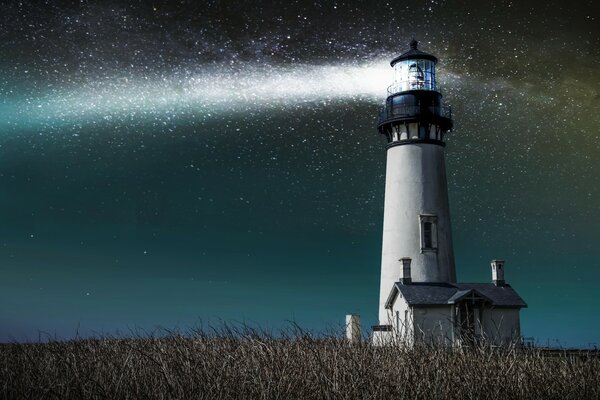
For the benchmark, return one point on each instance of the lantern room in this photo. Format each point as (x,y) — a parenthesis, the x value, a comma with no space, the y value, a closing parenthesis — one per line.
(413,70)
(413,109)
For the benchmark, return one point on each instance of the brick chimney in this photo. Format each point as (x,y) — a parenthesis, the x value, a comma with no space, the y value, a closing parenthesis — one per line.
(498,272)
(405,279)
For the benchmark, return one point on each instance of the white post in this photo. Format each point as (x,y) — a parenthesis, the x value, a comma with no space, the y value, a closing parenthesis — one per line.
(353,328)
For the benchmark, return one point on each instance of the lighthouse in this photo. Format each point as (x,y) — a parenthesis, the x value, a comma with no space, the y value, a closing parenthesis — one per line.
(419,298)
(416,221)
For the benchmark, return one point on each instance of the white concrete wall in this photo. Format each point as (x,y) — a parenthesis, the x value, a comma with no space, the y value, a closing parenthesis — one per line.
(501,326)
(400,317)
(433,325)
(380,338)
(415,184)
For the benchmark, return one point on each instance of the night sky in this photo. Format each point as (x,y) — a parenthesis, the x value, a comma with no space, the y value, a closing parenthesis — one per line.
(171,163)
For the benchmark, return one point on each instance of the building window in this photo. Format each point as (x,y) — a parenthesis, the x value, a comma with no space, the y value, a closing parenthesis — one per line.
(428,233)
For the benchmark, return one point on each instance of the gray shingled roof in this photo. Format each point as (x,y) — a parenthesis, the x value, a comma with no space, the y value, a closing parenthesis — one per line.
(431,293)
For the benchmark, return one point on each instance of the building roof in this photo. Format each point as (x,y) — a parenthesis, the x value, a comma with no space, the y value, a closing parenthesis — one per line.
(412,54)
(443,293)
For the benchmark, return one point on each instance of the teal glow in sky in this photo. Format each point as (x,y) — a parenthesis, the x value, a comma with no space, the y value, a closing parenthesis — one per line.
(169,164)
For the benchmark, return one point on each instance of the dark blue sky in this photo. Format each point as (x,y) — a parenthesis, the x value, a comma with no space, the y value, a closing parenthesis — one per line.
(162,164)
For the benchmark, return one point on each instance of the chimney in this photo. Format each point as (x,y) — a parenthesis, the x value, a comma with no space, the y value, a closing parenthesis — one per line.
(353,328)
(405,279)
(498,272)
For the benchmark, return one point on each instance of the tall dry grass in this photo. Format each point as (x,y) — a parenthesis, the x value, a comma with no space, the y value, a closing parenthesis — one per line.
(249,364)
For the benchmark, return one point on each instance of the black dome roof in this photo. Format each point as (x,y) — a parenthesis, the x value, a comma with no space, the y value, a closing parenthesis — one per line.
(413,53)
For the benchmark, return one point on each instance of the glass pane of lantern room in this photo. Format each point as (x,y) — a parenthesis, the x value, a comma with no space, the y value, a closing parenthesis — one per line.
(400,77)
(417,74)
(427,67)
(416,77)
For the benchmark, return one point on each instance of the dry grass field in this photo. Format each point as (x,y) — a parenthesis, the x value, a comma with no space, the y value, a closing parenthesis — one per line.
(249,364)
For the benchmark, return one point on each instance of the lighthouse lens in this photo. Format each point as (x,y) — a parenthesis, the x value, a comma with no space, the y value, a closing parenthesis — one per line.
(414,75)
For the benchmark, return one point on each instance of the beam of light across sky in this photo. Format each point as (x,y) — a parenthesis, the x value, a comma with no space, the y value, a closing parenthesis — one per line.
(204,93)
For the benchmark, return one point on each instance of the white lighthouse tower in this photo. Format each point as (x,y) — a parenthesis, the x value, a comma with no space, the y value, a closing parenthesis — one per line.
(419,298)
(416,222)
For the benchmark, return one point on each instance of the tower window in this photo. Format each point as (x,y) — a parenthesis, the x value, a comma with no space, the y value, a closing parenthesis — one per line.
(428,233)
(427,240)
